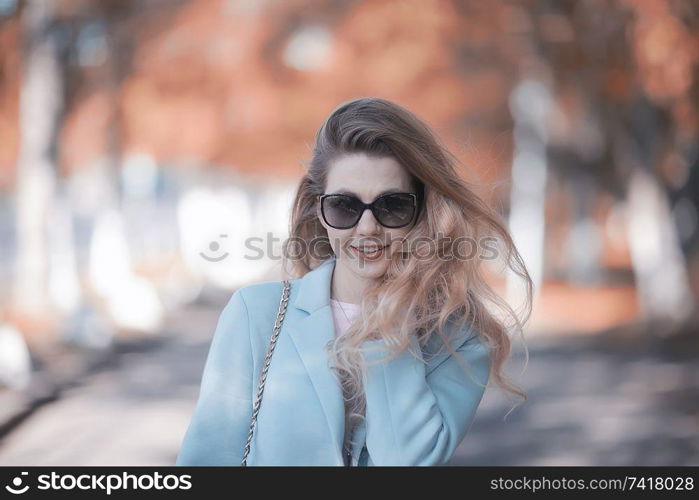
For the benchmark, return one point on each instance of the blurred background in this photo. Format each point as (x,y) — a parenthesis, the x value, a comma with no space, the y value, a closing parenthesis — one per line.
(144,143)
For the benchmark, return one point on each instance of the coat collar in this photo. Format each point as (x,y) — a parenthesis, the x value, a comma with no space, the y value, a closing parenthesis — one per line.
(314,289)
(311,333)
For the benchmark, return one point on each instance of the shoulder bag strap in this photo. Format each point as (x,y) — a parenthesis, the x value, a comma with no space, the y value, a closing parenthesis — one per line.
(270,350)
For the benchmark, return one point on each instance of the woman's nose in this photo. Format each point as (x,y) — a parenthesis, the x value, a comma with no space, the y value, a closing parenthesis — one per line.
(367,223)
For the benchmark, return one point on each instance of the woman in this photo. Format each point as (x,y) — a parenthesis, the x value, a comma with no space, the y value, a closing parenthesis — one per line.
(387,344)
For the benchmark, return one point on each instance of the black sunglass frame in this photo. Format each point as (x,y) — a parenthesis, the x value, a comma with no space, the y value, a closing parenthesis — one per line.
(370,206)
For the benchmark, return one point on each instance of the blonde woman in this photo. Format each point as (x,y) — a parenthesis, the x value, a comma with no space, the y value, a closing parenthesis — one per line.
(387,344)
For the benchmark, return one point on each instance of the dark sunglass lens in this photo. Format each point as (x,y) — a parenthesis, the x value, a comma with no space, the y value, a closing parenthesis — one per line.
(395,210)
(340,211)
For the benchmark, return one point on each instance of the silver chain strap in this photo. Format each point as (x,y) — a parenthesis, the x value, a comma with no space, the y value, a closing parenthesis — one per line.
(268,359)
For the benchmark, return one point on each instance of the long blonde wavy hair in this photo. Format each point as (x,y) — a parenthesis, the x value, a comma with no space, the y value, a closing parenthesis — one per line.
(416,296)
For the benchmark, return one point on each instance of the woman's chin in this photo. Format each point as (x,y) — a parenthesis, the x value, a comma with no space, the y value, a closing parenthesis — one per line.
(368,269)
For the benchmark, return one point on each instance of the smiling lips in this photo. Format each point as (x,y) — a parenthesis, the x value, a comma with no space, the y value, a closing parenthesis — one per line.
(369,252)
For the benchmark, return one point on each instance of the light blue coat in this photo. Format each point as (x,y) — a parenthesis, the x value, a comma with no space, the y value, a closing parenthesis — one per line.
(418,410)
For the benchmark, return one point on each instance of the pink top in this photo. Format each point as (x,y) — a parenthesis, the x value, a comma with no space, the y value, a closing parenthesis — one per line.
(343,314)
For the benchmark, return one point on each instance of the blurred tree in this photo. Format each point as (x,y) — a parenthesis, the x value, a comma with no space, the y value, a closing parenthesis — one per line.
(625,75)
(40,109)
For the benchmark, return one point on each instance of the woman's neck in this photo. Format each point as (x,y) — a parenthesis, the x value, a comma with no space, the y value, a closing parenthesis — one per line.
(346,286)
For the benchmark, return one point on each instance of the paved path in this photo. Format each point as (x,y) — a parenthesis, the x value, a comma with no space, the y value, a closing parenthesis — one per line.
(593,404)
(590,403)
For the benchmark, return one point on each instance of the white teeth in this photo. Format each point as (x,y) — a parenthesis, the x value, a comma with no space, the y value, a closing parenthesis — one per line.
(369,250)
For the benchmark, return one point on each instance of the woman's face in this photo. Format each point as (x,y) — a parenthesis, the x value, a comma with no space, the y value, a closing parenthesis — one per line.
(367,178)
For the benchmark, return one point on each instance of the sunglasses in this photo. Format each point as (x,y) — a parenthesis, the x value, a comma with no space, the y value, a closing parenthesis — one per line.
(392,210)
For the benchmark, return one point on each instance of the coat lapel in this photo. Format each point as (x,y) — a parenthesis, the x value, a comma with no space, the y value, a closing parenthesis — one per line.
(310,334)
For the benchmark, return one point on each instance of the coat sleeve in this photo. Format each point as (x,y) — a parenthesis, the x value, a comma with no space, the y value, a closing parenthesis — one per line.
(218,430)
(418,418)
